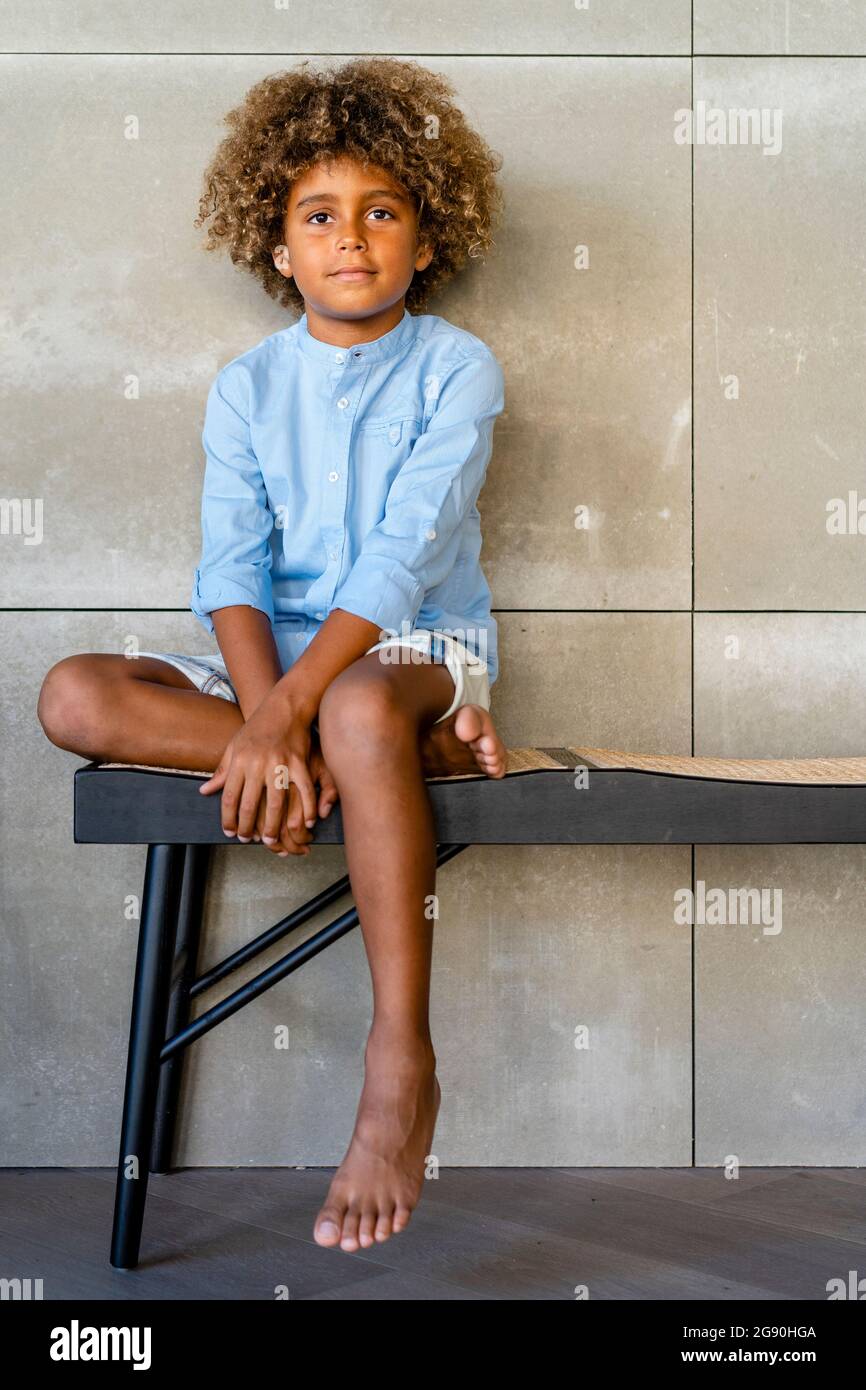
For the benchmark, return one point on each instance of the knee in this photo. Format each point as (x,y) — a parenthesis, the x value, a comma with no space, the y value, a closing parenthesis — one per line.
(67,706)
(360,712)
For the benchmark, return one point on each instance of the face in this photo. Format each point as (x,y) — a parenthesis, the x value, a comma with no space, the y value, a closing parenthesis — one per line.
(351,245)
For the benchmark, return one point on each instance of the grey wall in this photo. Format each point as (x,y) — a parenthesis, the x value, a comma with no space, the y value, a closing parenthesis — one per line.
(707,609)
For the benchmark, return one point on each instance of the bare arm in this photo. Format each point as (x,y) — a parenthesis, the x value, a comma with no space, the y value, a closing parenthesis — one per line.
(276,734)
(342,638)
(249,651)
(246,641)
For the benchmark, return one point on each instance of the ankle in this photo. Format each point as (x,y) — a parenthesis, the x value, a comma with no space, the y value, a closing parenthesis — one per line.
(397,1041)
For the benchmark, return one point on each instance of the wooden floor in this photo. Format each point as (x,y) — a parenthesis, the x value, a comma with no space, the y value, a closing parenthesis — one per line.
(478,1233)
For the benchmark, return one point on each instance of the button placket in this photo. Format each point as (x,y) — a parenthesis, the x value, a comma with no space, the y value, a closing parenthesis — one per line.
(336,495)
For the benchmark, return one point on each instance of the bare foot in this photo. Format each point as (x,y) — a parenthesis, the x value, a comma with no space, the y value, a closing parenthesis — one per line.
(466,741)
(377,1186)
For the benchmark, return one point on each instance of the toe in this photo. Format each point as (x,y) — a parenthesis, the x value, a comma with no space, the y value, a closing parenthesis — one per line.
(384,1224)
(351,1221)
(468,722)
(328,1225)
(367,1228)
(401,1219)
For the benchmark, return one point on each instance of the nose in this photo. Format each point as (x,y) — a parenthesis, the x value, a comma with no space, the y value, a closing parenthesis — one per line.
(351,239)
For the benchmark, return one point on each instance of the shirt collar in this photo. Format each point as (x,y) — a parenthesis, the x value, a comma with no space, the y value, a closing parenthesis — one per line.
(395,341)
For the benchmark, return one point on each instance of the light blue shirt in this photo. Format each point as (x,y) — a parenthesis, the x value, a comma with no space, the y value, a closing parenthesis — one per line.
(348,478)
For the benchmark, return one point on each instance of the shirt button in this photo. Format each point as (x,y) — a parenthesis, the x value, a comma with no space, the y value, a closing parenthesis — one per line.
(430,533)
(332,476)
(339,357)
(320,616)
(333,554)
(342,402)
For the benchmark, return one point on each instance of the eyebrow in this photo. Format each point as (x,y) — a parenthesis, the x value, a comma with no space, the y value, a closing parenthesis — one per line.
(370,193)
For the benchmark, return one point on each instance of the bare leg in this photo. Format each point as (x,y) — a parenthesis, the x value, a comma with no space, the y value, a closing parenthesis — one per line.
(370,721)
(378,720)
(115,709)
(111,708)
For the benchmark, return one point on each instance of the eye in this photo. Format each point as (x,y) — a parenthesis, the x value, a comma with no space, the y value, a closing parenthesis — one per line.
(322,213)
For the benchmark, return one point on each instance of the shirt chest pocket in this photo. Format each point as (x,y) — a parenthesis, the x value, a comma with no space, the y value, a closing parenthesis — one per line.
(390,432)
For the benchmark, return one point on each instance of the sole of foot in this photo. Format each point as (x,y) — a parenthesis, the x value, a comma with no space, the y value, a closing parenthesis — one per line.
(466,741)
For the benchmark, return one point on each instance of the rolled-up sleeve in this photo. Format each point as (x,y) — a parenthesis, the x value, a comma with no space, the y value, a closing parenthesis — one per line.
(410,550)
(236,522)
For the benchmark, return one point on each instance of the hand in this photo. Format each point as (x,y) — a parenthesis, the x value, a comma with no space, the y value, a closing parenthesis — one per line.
(290,843)
(268,757)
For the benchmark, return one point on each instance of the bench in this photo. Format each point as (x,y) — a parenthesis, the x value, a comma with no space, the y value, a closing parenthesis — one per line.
(549,796)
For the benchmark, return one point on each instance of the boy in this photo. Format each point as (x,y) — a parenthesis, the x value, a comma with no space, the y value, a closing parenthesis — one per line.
(340,563)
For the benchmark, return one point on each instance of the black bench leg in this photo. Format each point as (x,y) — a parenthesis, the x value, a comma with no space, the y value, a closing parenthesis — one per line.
(189,920)
(159,909)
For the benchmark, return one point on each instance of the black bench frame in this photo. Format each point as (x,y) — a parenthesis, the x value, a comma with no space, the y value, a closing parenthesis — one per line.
(163,810)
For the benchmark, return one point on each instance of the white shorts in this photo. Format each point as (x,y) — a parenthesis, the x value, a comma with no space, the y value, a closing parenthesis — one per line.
(469,673)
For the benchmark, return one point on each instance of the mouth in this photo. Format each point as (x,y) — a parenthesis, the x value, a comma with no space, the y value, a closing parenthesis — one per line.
(353,273)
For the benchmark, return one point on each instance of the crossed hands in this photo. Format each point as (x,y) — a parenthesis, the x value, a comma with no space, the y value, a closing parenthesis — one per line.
(268,774)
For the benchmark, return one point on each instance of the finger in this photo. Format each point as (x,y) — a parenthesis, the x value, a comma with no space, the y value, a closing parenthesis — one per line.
(306,810)
(328,794)
(260,820)
(230,798)
(287,845)
(296,842)
(248,806)
(279,847)
(214,783)
(276,846)
(275,810)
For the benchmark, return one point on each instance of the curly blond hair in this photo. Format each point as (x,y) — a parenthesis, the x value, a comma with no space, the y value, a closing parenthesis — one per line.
(381,111)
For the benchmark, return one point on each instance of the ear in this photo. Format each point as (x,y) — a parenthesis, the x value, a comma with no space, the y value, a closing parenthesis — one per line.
(281,260)
(424,257)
